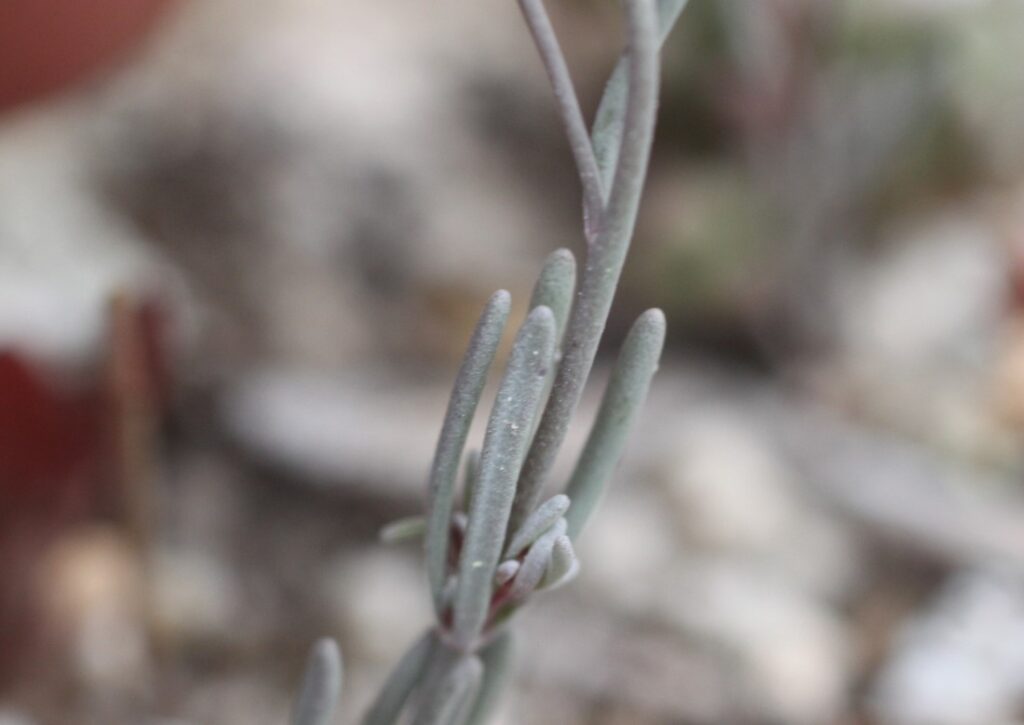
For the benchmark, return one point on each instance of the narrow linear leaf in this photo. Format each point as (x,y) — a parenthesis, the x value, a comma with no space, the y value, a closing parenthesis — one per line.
(611,110)
(605,258)
(497,660)
(469,384)
(450,702)
(626,392)
(564,565)
(538,522)
(321,685)
(555,287)
(410,527)
(536,563)
(388,706)
(469,469)
(505,442)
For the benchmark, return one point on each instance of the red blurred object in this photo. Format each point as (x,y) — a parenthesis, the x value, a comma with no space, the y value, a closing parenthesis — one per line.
(48,439)
(56,439)
(64,450)
(46,45)
(49,454)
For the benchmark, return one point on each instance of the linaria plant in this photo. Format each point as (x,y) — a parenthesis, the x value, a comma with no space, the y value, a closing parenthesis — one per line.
(497,545)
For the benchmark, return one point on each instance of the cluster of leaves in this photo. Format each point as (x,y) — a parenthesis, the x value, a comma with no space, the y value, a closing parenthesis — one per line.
(491,549)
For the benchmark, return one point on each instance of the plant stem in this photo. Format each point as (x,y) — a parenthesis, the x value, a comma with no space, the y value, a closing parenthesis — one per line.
(569,107)
(605,258)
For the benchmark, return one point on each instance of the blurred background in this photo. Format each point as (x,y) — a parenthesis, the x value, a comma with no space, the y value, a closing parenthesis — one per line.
(242,244)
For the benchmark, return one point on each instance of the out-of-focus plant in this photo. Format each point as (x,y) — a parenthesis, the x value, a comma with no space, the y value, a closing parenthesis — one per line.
(490,550)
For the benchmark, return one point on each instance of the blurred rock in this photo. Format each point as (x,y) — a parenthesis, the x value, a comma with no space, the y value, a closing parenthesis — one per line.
(12,717)
(961,661)
(94,593)
(371,431)
(63,254)
(380,600)
(194,597)
(905,493)
(626,548)
(729,489)
(368,430)
(342,172)
(901,320)
(733,488)
(598,660)
(317,165)
(791,653)
(548,704)
(919,359)
(235,699)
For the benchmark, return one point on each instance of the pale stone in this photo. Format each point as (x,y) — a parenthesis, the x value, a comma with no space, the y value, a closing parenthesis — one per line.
(790,653)
(381,602)
(961,661)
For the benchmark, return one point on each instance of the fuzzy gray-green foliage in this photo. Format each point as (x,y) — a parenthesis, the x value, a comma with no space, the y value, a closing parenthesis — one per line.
(465,397)
(608,237)
(401,683)
(318,695)
(505,442)
(449,699)
(497,659)
(489,555)
(626,390)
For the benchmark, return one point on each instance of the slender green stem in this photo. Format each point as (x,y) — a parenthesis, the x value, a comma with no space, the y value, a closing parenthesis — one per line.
(611,111)
(605,258)
(569,107)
